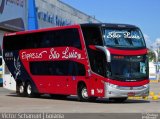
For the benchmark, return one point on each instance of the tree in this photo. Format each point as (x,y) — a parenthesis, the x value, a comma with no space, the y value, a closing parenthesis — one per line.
(151,56)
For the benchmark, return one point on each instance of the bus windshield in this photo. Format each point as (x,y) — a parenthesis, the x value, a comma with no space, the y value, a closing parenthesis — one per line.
(129,67)
(123,38)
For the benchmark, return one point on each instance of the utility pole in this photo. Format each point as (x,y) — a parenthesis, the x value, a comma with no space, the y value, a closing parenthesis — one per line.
(158,62)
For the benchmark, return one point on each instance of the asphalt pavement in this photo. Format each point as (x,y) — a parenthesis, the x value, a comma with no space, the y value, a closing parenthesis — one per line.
(10,102)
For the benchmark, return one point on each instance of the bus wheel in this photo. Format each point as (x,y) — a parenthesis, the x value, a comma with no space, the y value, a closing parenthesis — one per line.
(82,93)
(21,90)
(118,100)
(30,92)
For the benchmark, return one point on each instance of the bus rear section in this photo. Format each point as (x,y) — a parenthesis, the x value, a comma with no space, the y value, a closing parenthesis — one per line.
(85,60)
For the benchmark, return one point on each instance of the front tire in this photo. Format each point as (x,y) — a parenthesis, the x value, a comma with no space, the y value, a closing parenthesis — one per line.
(83,94)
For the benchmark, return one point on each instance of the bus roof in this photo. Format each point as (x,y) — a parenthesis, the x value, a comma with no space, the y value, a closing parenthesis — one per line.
(41,30)
(111,25)
(73,26)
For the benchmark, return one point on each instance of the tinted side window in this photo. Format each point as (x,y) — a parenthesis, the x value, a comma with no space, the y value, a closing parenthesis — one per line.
(14,43)
(97,61)
(92,36)
(68,37)
(60,68)
(57,38)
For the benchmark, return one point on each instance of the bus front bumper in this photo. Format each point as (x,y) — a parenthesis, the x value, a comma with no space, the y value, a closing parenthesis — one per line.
(114,91)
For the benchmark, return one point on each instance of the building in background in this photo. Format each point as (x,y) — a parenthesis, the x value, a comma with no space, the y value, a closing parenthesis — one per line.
(20,15)
(58,13)
(12,18)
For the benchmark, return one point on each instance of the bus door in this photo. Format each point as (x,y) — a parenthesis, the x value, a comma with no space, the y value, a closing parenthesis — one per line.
(97,58)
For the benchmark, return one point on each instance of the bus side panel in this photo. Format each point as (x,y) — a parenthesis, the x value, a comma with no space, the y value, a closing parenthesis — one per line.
(50,84)
(65,85)
(96,86)
(55,84)
(17,69)
(39,81)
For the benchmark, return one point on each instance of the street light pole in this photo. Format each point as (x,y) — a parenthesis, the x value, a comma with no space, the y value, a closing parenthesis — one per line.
(156,61)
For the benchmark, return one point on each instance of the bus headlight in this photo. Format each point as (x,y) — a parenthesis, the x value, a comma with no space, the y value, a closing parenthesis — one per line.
(113,86)
(146,86)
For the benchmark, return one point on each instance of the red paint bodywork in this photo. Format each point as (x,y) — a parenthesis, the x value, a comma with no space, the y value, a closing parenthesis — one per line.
(65,84)
(127,52)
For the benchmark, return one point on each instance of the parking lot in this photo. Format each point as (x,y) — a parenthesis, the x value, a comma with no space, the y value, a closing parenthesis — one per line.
(10,102)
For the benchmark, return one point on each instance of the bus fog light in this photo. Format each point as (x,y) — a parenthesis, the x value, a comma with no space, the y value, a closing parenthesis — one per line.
(110,92)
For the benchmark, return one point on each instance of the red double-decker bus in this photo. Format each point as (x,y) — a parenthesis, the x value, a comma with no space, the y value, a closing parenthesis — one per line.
(88,60)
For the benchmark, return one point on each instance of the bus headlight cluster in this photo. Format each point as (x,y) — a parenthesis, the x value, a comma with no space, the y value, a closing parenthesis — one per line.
(113,86)
(146,86)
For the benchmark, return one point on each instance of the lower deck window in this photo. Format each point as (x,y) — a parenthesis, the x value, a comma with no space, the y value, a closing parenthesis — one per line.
(60,68)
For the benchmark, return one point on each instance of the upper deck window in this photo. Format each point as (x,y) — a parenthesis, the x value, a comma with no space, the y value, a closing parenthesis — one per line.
(55,38)
(123,38)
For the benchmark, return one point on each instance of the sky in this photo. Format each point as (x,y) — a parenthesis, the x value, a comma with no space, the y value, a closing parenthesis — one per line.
(142,13)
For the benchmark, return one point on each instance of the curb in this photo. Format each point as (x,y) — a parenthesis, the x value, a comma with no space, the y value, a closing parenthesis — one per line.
(154,81)
(151,96)
(156,97)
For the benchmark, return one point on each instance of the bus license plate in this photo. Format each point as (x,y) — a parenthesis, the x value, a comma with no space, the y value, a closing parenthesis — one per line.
(130,94)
